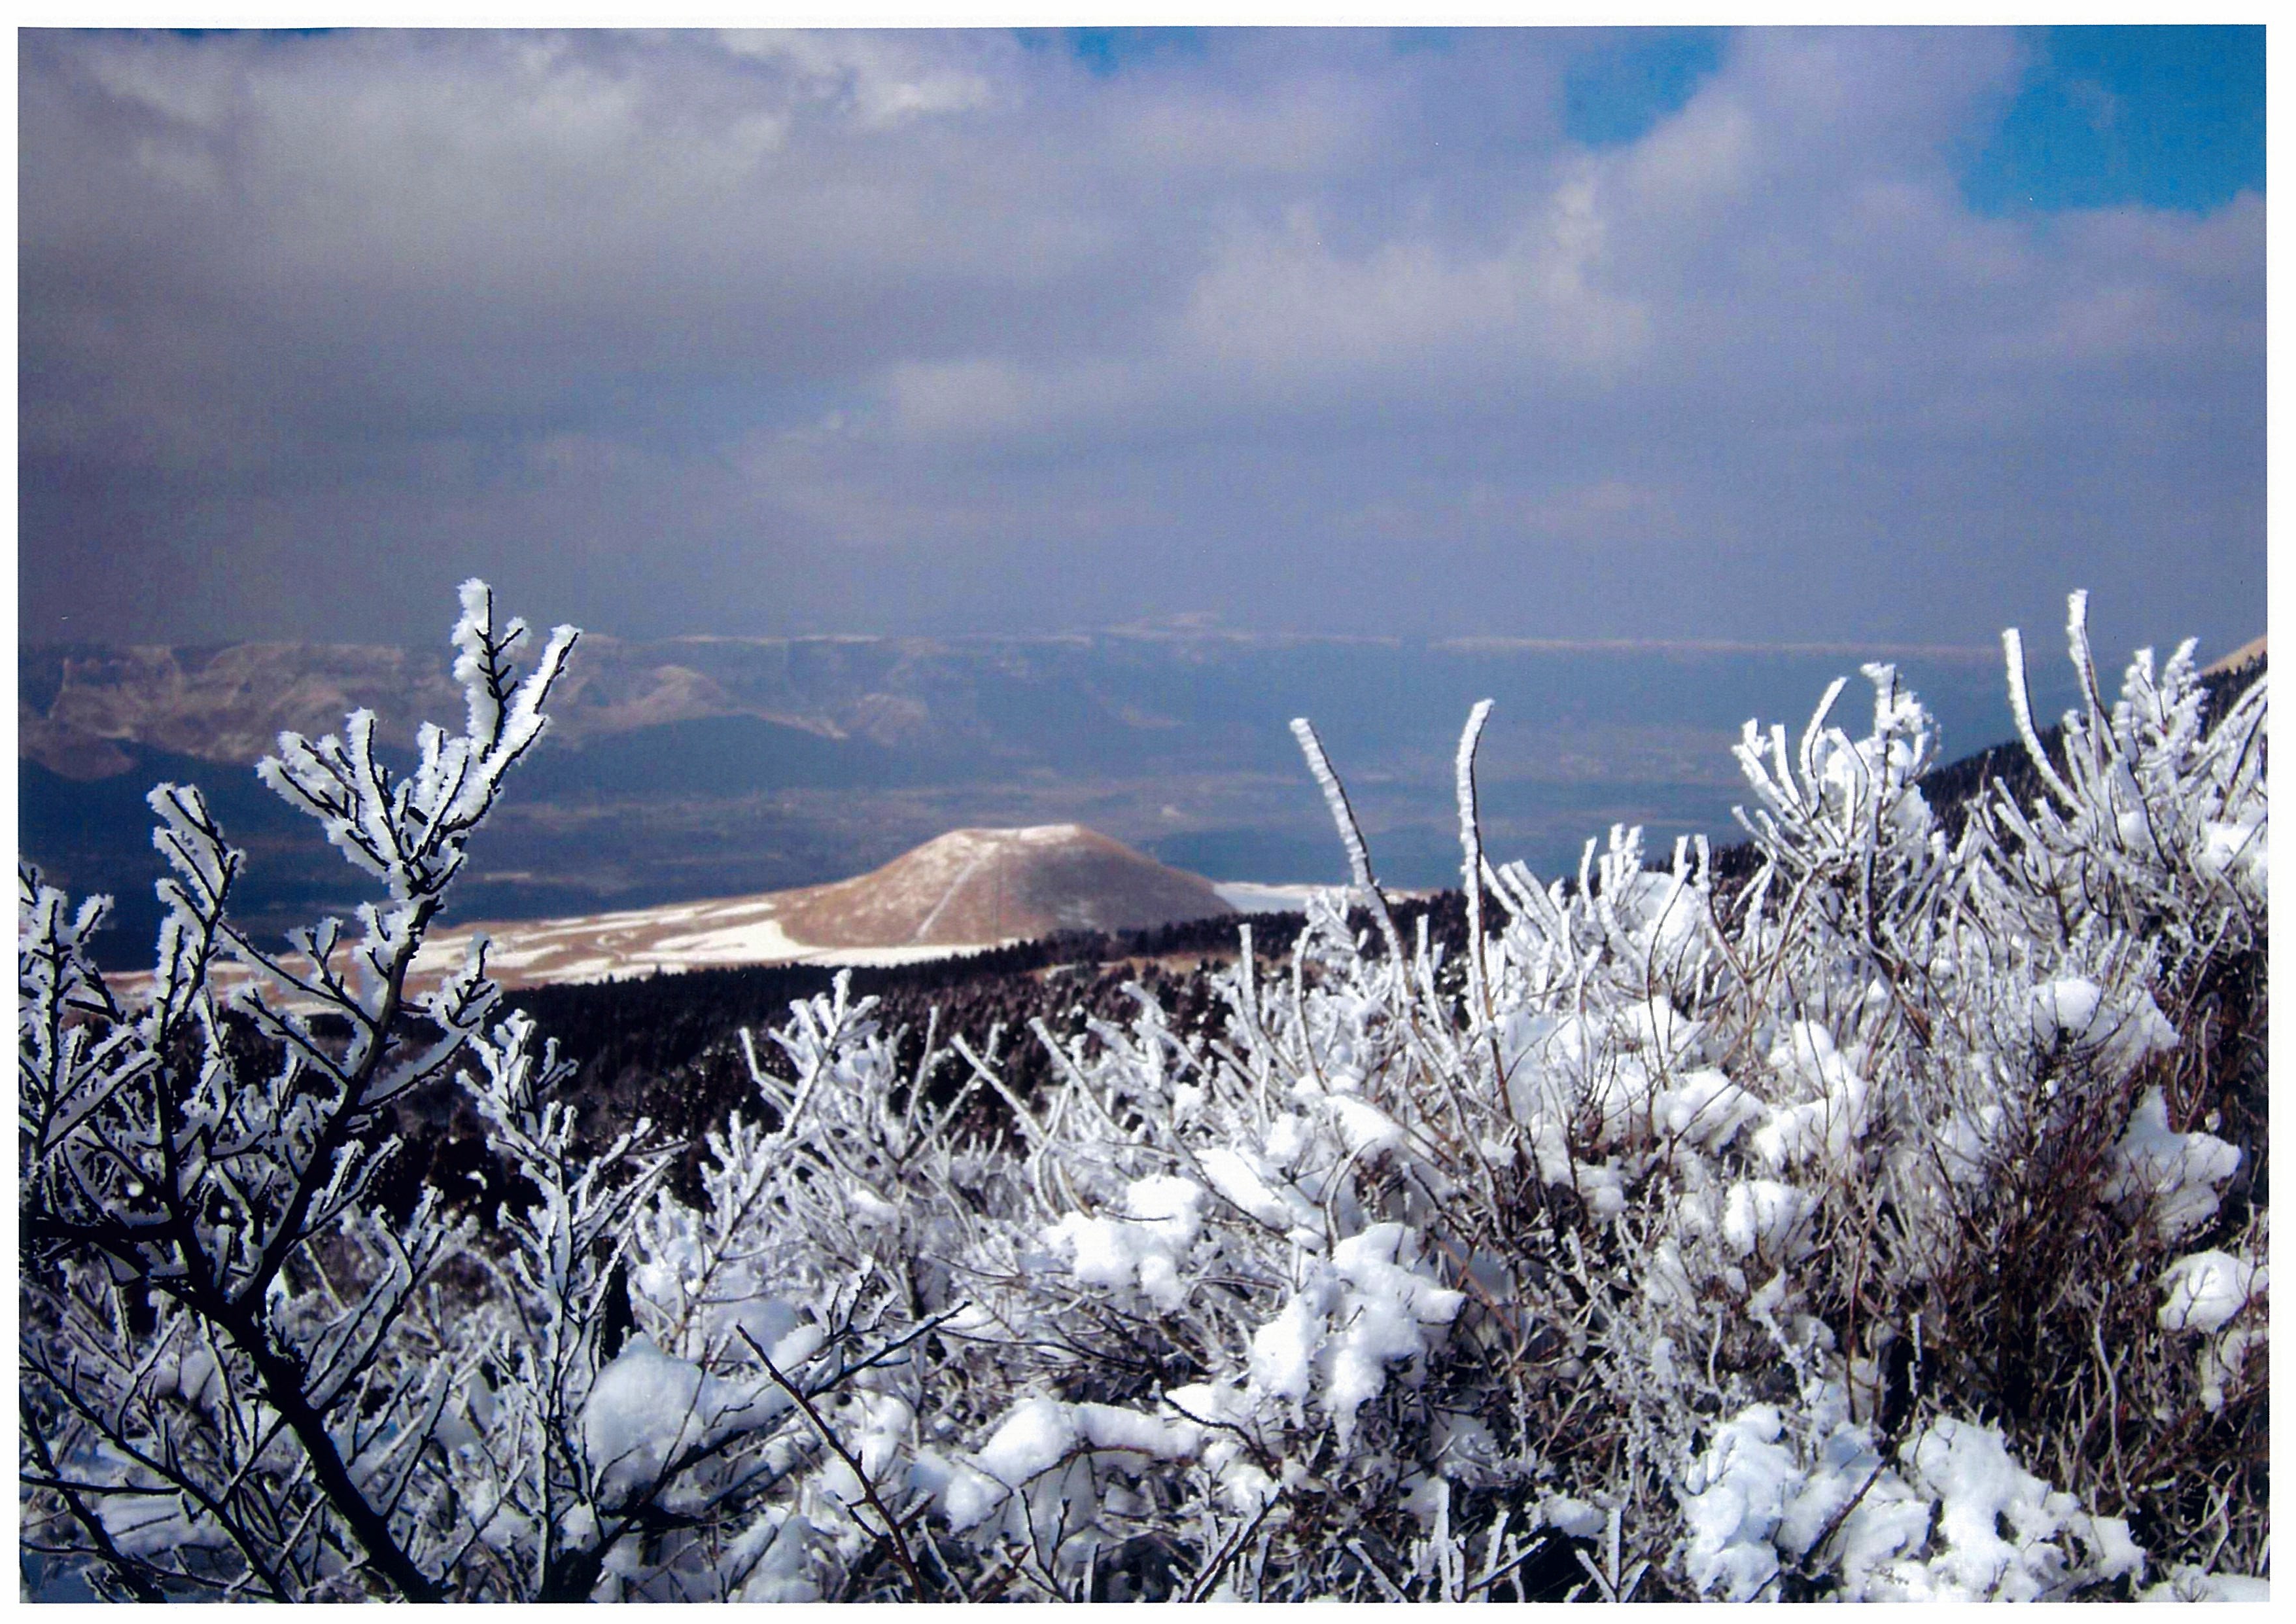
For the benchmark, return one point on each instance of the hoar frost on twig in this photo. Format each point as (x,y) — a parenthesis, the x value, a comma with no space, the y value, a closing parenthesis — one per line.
(239,1378)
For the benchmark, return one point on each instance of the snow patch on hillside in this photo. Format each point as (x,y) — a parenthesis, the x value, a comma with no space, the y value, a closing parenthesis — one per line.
(1252,896)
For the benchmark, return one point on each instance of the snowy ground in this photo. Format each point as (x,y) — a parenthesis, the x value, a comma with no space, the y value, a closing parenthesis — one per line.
(1251,897)
(611,947)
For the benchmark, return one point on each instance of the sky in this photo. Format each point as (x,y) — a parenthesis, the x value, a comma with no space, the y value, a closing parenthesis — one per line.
(1766,334)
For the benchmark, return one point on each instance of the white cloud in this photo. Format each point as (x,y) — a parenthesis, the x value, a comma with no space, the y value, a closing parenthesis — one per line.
(1214,320)
(881,80)
(973,399)
(1285,299)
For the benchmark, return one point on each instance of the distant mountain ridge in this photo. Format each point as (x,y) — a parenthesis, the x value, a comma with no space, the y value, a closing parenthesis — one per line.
(1078,694)
(75,704)
(700,767)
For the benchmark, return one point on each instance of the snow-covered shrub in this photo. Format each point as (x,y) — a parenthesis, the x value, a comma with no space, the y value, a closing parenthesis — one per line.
(1415,1278)
(193,1182)
(2155,823)
(1952,1518)
(1455,1265)
(1883,1226)
(238,1378)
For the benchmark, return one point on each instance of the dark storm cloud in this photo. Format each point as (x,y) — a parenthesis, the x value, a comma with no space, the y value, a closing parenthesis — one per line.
(1313,330)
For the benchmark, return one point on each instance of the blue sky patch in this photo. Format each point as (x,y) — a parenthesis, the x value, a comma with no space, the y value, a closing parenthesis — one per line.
(2167,117)
(1110,51)
(1615,93)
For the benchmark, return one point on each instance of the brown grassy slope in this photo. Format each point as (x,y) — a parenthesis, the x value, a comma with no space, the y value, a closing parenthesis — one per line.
(986,885)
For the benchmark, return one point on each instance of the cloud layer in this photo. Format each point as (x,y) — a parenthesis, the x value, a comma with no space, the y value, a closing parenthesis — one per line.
(1310,331)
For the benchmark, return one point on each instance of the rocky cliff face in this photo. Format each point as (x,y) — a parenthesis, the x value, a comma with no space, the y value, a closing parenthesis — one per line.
(227,704)
(76,704)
